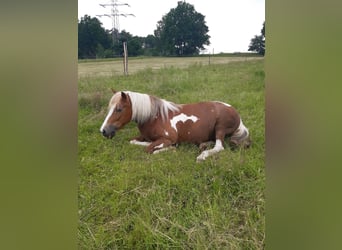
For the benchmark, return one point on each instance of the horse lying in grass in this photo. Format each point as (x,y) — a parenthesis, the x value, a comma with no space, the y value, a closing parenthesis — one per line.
(163,124)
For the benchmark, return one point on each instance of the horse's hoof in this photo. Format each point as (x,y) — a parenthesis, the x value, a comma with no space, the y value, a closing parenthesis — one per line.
(199,159)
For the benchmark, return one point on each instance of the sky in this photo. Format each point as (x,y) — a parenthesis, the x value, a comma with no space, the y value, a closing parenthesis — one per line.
(232,23)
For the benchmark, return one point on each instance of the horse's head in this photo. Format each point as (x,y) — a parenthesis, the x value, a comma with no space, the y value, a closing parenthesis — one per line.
(119,114)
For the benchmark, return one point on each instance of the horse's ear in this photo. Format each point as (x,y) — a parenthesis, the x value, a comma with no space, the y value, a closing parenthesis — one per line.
(123,95)
(113,90)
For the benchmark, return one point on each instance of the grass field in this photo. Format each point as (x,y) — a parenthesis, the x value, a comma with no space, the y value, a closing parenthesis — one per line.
(110,67)
(132,200)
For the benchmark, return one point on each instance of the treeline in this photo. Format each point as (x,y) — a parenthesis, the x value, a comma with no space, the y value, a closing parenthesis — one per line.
(96,42)
(181,32)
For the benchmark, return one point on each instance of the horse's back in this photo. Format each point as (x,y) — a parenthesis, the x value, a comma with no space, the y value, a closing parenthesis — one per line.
(200,122)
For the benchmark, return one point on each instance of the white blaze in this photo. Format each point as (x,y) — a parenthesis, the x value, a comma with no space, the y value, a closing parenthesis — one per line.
(182,118)
(107,117)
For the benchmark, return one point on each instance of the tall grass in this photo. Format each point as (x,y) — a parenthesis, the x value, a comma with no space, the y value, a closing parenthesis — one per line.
(132,200)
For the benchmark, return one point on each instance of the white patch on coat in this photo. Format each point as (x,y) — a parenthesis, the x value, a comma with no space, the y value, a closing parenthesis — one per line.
(166,133)
(182,118)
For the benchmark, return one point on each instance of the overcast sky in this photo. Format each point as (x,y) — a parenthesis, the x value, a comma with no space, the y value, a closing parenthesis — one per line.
(232,23)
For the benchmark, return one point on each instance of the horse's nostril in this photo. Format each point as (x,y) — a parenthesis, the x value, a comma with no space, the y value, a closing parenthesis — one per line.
(103,132)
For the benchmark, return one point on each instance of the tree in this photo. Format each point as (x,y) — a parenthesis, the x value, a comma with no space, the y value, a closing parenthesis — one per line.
(150,45)
(134,44)
(258,42)
(93,40)
(182,31)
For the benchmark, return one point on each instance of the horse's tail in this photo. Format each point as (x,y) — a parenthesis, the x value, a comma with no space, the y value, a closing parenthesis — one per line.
(241,136)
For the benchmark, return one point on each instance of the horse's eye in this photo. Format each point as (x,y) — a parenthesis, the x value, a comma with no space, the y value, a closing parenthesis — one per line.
(118,110)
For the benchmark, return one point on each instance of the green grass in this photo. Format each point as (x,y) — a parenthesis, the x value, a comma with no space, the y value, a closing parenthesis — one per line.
(114,67)
(132,200)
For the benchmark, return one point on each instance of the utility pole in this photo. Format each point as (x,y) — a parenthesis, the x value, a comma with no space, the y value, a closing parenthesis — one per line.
(125,60)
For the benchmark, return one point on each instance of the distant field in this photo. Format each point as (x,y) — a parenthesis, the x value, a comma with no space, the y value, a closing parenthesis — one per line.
(129,199)
(92,68)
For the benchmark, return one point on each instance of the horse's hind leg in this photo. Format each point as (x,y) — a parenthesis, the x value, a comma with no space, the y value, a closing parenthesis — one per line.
(205,145)
(218,147)
(234,144)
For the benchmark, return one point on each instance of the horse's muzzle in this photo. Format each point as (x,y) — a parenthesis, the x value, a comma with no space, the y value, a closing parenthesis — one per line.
(108,132)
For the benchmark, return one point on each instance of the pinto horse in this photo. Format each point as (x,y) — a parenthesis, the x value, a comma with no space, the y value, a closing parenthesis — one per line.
(163,124)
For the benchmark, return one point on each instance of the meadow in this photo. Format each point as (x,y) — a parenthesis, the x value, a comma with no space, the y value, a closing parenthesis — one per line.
(129,199)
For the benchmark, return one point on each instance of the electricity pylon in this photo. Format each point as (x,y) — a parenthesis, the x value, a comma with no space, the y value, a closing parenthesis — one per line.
(114,15)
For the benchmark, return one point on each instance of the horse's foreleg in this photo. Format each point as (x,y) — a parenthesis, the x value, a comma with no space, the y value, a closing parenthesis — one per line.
(218,147)
(159,146)
(140,140)
(163,149)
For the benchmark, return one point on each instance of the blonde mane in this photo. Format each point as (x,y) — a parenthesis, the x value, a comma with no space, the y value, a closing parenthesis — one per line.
(145,107)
